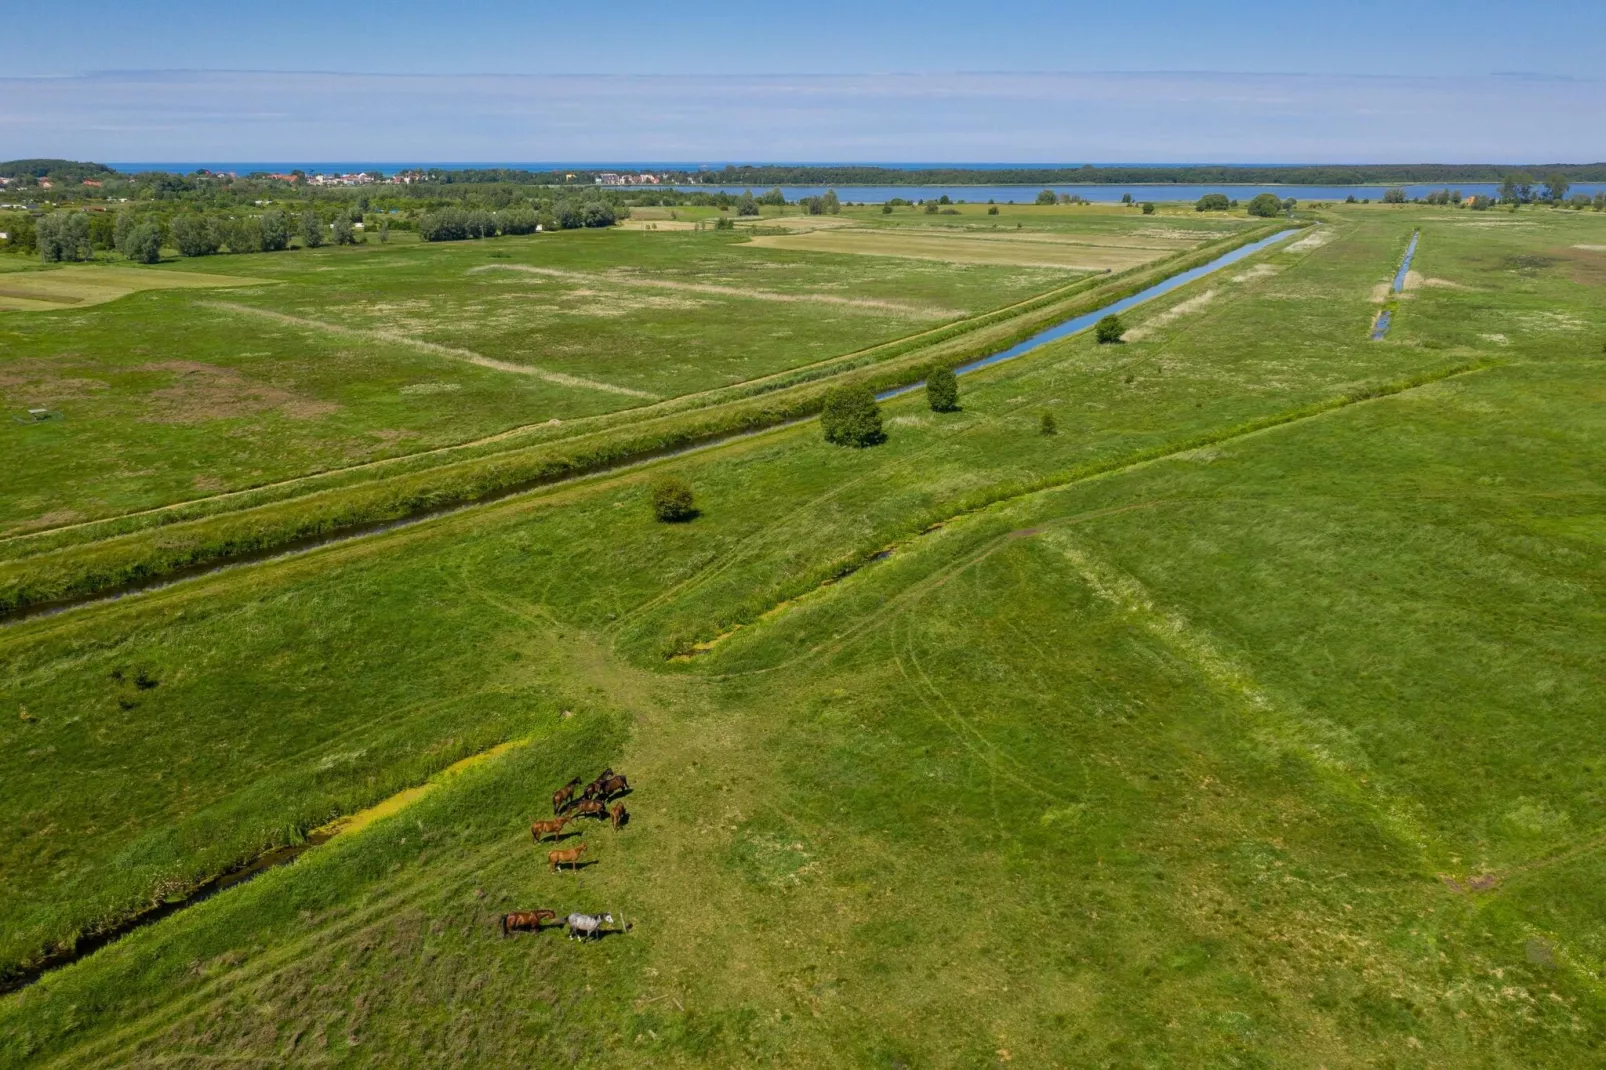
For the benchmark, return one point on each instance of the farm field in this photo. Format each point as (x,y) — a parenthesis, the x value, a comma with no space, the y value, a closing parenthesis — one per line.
(338,357)
(1250,719)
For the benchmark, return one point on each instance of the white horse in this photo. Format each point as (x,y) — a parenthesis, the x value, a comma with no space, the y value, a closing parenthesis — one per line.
(587,926)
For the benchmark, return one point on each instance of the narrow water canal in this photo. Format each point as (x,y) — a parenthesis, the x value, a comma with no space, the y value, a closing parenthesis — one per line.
(1380,326)
(1086,320)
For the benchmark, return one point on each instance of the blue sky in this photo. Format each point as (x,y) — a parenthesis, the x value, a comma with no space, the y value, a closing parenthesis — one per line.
(1010,80)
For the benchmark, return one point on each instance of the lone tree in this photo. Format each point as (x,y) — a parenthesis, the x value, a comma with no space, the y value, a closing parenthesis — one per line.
(1212,202)
(1148,207)
(1046,197)
(852,418)
(1109,330)
(942,390)
(143,245)
(1266,206)
(672,501)
(311,230)
(1046,425)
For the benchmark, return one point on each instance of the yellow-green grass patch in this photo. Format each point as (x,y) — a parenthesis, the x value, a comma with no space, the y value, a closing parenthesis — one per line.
(77,285)
(968,249)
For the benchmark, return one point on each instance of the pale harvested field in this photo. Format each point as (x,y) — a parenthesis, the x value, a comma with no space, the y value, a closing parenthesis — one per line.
(617,278)
(449,352)
(78,285)
(956,249)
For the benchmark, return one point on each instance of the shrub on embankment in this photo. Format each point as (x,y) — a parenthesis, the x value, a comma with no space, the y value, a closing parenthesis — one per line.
(135,558)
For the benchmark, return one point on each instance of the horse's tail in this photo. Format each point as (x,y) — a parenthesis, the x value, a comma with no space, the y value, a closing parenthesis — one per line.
(504,926)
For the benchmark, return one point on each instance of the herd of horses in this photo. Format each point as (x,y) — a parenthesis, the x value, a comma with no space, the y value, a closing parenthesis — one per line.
(593,803)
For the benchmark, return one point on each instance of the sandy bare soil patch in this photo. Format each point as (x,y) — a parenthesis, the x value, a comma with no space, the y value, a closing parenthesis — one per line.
(1317,238)
(1259,271)
(1380,293)
(1415,280)
(617,278)
(961,249)
(1591,248)
(1175,312)
(428,347)
(79,285)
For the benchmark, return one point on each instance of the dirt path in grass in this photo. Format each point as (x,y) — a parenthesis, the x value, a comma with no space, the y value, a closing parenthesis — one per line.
(466,355)
(592,278)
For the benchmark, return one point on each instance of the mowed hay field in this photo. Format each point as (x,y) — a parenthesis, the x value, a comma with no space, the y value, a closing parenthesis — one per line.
(342,356)
(1073,238)
(78,285)
(1251,719)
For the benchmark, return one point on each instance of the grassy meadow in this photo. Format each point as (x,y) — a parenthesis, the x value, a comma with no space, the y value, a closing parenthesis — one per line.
(1249,720)
(340,356)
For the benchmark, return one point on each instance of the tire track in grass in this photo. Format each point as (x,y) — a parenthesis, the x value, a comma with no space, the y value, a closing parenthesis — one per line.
(1279,724)
(466,355)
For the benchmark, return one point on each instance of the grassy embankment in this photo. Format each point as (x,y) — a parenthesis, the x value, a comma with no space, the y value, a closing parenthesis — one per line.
(1279,750)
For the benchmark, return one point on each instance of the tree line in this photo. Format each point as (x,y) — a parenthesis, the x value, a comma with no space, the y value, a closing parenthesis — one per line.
(1191,174)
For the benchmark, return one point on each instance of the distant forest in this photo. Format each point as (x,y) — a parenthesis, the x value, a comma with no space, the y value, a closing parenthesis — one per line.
(73,172)
(1194,174)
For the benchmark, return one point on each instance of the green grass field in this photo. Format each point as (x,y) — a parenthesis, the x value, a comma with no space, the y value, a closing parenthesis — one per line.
(380,351)
(1250,720)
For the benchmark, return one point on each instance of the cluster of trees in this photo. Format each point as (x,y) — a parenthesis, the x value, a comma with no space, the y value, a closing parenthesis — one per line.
(825,204)
(1268,205)
(457,224)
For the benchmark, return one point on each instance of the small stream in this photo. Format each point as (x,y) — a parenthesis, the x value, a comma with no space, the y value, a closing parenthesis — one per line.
(1088,319)
(1380,326)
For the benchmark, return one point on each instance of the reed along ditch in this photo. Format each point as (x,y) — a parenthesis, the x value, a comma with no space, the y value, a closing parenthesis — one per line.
(19,977)
(1061,330)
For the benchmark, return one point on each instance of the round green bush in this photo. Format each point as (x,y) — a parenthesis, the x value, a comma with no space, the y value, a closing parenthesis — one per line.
(942,390)
(851,417)
(1108,330)
(672,500)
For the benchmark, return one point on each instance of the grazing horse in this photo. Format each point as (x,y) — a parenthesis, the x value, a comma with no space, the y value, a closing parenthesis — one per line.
(526,920)
(614,785)
(590,808)
(595,787)
(619,815)
(564,795)
(587,926)
(542,829)
(571,857)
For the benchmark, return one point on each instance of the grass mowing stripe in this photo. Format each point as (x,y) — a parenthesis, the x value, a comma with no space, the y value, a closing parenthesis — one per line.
(1004,498)
(428,347)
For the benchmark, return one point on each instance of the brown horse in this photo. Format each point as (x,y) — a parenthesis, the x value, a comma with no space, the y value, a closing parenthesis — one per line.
(619,815)
(595,787)
(541,829)
(614,785)
(526,920)
(590,808)
(564,795)
(571,857)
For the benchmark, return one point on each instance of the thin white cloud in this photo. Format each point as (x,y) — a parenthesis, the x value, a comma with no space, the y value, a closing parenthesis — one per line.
(1159,117)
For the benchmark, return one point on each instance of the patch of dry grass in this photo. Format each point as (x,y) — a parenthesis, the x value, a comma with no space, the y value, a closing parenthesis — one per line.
(1033,251)
(79,285)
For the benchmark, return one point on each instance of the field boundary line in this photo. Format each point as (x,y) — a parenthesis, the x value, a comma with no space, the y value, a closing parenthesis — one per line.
(467,356)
